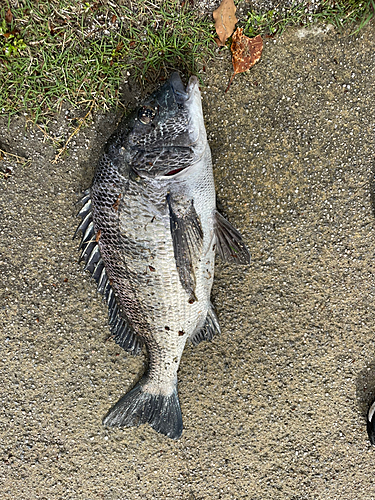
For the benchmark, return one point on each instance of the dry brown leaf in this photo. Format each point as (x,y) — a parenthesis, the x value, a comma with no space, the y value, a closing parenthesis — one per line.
(245,52)
(225,20)
(8,16)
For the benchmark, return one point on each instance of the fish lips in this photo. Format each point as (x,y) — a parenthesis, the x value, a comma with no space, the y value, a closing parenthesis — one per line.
(182,94)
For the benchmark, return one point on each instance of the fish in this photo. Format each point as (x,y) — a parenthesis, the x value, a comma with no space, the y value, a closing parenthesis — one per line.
(150,232)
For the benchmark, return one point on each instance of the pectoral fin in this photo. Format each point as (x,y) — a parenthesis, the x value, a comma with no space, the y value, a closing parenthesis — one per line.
(229,243)
(187,237)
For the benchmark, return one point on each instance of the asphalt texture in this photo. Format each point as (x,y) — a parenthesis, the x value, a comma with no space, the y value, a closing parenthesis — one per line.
(275,407)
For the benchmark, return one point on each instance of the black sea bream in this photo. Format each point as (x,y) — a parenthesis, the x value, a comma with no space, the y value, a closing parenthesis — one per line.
(150,231)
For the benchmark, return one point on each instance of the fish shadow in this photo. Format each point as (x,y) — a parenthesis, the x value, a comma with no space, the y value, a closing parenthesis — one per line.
(96,136)
(365,382)
(101,128)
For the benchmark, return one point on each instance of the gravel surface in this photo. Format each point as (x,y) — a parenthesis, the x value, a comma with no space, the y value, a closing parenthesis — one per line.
(244,6)
(275,407)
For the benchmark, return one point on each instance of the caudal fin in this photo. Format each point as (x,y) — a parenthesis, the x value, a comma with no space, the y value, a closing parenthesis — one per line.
(138,407)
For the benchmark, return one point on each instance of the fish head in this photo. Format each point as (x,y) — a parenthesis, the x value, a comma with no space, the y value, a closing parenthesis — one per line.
(168,135)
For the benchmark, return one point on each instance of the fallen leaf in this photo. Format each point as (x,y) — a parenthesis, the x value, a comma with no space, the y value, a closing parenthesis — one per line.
(8,16)
(225,20)
(245,52)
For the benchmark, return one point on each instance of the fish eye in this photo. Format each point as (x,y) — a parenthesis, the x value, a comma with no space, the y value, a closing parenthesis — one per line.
(146,114)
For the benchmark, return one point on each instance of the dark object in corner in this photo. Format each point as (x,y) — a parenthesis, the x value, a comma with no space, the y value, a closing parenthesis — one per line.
(371,423)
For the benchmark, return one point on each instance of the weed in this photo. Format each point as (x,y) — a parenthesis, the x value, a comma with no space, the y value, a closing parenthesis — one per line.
(79,53)
(55,51)
(11,43)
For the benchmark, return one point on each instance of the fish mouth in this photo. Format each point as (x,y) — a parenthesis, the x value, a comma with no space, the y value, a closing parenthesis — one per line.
(175,171)
(181,93)
(192,85)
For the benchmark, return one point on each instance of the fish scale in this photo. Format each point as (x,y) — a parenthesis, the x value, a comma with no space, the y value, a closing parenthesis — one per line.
(150,230)
(164,300)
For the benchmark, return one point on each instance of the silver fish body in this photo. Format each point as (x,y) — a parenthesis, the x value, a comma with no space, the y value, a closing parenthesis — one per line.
(150,233)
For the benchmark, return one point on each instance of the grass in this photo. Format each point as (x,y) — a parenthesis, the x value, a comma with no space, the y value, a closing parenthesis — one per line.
(339,13)
(79,52)
(56,51)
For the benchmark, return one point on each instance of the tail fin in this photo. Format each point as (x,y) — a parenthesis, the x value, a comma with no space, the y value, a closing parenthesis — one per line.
(138,407)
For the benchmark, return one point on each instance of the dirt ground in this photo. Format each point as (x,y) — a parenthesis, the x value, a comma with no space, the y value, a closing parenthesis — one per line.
(275,407)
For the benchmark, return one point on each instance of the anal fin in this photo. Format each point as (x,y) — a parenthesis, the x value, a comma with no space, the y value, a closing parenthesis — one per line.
(210,328)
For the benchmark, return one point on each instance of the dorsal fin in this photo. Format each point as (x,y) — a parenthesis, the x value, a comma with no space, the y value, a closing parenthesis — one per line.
(122,332)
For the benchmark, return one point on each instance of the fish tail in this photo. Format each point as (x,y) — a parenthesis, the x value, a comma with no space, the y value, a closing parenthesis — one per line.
(138,407)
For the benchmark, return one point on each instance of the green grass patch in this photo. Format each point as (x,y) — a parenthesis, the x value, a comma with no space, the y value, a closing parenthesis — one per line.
(339,13)
(56,51)
(80,52)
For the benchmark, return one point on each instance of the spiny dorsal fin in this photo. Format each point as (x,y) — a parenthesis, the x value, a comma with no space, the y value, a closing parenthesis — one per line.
(122,333)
